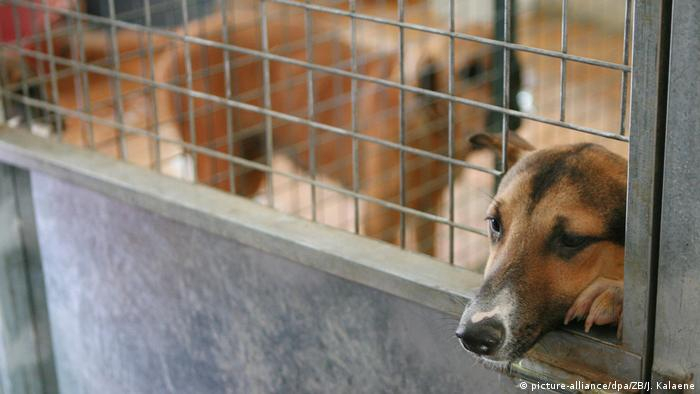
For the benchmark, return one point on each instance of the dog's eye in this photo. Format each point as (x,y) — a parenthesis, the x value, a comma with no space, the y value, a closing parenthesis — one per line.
(573,241)
(495,227)
(471,70)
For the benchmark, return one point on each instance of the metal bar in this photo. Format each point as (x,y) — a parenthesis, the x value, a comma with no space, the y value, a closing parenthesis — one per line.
(35,278)
(675,330)
(116,84)
(26,357)
(562,66)
(23,65)
(506,85)
(38,38)
(206,82)
(402,125)
(223,4)
(360,77)
(3,102)
(77,79)
(267,103)
(354,109)
(276,114)
(450,135)
(16,334)
(625,75)
(145,72)
(312,7)
(248,163)
(190,99)
(310,106)
(84,80)
(652,27)
(153,91)
(126,55)
(330,250)
(463,36)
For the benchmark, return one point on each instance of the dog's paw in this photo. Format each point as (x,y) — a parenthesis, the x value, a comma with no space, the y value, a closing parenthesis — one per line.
(600,303)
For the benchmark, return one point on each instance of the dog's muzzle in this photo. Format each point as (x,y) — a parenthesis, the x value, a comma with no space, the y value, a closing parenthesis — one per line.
(483,338)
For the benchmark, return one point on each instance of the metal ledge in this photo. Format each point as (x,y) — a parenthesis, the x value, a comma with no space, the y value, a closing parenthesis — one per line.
(372,263)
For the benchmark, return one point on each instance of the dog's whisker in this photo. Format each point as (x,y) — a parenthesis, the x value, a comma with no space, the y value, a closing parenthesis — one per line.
(448,318)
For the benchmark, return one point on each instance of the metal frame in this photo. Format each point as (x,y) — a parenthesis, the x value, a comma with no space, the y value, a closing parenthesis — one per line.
(372,263)
(432,285)
(360,260)
(504,108)
(648,111)
(188,39)
(26,355)
(675,311)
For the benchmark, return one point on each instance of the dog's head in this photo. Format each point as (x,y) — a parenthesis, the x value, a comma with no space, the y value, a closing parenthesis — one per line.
(473,75)
(556,223)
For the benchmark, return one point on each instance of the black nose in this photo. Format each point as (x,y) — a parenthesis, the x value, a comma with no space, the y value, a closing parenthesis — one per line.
(482,338)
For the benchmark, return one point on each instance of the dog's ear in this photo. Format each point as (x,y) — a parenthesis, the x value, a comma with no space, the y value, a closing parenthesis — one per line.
(517,146)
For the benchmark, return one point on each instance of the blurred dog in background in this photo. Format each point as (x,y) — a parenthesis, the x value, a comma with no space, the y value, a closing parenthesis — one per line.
(245,100)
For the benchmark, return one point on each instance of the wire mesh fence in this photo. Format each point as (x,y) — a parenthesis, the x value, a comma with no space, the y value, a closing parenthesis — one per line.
(352,113)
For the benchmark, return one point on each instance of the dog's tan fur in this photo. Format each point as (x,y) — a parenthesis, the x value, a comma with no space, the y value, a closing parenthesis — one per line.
(377,107)
(557,250)
(377,112)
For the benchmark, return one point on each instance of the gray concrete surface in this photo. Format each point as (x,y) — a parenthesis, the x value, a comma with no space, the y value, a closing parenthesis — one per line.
(142,304)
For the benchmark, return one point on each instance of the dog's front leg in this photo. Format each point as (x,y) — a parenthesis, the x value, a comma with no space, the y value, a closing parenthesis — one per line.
(600,303)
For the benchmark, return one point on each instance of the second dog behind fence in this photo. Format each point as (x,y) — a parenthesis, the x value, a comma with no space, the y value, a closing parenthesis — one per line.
(360,140)
(370,164)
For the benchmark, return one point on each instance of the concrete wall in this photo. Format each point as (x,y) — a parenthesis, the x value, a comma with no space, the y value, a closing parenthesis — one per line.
(142,304)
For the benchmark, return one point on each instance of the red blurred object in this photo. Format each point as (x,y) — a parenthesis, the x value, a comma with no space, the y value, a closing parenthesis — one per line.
(31,21)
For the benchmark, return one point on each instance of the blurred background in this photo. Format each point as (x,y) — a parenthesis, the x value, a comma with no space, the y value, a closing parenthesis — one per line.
(574,97)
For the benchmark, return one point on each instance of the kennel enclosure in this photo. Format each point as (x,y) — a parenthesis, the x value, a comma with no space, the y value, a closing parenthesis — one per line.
(214,281)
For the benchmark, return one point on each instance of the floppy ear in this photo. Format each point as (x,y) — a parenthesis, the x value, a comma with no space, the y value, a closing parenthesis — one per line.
(517,146)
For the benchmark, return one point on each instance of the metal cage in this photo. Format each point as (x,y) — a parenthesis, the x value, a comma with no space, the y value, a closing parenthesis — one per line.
(354,114)
(380,50)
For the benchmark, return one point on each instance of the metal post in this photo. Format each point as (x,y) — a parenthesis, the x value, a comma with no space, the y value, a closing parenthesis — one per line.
(26,358)
(497,84)
(648,108)
(674,318)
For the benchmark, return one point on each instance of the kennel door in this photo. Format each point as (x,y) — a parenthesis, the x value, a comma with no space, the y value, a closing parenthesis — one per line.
(677,334)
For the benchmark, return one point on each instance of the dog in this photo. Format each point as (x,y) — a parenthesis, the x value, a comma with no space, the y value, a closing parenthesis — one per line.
(378,172)
(557,231)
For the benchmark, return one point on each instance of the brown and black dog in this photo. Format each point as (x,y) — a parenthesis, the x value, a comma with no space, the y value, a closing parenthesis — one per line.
(557,230)
(377,106)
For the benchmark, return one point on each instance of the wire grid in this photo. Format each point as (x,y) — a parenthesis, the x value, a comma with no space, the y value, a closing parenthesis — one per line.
(321,108)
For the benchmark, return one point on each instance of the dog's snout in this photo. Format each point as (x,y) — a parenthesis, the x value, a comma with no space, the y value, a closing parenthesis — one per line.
(482,338)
